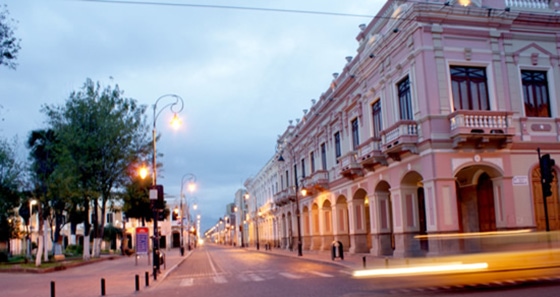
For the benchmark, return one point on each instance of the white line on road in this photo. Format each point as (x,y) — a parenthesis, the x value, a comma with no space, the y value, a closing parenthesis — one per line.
(321,274)
(186,282)
(220,279)
(255,277)
(289,275)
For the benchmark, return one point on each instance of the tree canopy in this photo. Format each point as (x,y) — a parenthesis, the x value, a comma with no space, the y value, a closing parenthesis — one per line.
(9,44)
(102,133)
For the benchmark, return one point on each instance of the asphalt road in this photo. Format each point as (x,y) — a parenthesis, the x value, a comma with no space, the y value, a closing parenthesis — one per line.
(215,271)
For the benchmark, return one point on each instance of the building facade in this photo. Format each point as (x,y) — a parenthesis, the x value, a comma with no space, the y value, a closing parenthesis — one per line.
(431,129)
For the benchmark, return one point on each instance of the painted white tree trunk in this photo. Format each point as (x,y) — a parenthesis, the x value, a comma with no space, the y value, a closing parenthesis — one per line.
(96,247)
(39,249)
(86,248)
(45,245)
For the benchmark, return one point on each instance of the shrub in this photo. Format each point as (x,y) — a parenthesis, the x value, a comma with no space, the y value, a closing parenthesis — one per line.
(74,250)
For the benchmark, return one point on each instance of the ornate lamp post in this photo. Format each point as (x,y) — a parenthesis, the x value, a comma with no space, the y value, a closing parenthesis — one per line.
(156,191)
(191,187)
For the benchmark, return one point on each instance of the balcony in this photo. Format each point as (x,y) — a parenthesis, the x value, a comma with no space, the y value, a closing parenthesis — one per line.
(284,197)
(400,138)
(349,166)
(481,128)
(318,180)
(529,4)
(370,155)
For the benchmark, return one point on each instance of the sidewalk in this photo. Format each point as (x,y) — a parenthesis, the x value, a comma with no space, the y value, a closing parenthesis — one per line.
(349,261)
(117,273)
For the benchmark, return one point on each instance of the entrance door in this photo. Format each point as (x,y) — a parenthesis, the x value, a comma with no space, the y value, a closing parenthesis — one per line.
(486,210)
(552,203)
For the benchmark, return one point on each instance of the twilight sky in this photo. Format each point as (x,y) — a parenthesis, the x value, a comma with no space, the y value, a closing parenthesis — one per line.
(243,74)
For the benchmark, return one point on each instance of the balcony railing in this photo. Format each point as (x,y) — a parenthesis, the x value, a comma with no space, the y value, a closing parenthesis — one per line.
(399,138)
(317,180)
(349,166)
(528,4)
(369,154)
(284,196)
(482,126)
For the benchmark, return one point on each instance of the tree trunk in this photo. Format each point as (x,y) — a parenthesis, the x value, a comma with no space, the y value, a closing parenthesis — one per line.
(39,237)
(87,227)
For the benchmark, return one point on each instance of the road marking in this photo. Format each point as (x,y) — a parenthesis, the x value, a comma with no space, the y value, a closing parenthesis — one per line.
(186,282)
(289,275)
(321,274)
(255,277)
(220,279)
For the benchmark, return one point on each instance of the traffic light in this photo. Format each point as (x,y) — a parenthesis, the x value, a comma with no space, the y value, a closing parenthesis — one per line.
(547,174)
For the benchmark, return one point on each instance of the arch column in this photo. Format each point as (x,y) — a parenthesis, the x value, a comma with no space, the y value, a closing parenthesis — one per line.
(358,226)
(381,224)
(340,223)
(306,228)
(406,221)
(315,243)
(326,226)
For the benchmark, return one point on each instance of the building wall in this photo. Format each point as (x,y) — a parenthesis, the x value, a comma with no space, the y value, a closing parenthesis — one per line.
(443,170)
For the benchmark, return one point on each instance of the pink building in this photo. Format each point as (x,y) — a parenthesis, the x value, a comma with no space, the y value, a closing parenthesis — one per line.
(431,129)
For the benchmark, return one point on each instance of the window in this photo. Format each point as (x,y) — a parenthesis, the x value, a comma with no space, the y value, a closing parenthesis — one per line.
(470,91)
(355,134)
(337,149)
(312,160)
(376,116)
(287,179)
(535,93)
(109,218)
(302,167)
(323,156)
(405,102)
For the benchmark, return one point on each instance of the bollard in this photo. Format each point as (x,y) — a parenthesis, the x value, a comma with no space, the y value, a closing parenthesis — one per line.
(147,279)
(137,282)
(52,289)
(102,287)
(364,261)
(386,262)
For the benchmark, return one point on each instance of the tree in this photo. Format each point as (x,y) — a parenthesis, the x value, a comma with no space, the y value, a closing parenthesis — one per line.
(50,186)
(11,177)
(102,133)
(9,44)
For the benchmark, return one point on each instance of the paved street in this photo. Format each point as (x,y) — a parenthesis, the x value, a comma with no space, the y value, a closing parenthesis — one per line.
(213,270)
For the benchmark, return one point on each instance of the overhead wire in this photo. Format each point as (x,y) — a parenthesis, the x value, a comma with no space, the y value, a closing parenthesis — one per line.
(213,6)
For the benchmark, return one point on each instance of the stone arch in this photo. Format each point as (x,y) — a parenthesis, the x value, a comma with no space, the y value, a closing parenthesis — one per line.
(360,222)
(341,223)
(412,189)
(306,227)
(476,187)
(382,222)
(326,219)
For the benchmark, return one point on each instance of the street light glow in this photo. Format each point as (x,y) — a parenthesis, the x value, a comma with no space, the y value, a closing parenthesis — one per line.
(143,172)
(176,122)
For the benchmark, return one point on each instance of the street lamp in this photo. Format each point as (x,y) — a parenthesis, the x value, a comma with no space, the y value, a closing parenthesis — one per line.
(156,192)
(191,187)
